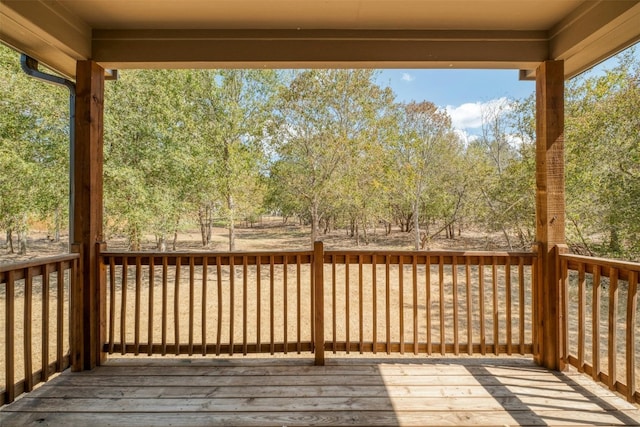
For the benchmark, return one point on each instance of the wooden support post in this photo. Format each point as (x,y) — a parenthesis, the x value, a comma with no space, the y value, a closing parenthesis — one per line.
(89,293)
(318,310)
(550,210)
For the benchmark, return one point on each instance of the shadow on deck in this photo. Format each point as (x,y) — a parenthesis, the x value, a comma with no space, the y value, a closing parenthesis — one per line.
(348,391)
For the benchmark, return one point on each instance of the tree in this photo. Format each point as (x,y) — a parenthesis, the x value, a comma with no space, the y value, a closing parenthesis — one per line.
(34,153)
(244,114)
(425,145)
(326,118)
(603,153)
(145,160)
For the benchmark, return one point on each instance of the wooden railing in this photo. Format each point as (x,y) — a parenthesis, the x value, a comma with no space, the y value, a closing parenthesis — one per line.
(209,303)
(373,301)
(429,302)
(601,320)
(35,307)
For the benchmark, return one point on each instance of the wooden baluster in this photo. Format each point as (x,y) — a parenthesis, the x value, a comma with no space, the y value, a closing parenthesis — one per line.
(28,319)
(60,365)
(428,302)
(192,273)
(165,273)
(205,278)
(483,338)
(136,342)
(507,290)
(333,301)
(232,302)
(401,300)
(521,301)
(454,281)
(151,296)
(219,321)
(496,305)
(44,375)
(347,303)
(613,317)
(443,338)
(318,281)
(414,270)
(360,305)
(258,303)
(388,301)
(374,282)
(176,306)
(467,269)
(112,303)
(10,337)
(581,316)
(595,323)
(285,297)
(245,272)
(271,305)
(123,306)
(298,305)
(632,306)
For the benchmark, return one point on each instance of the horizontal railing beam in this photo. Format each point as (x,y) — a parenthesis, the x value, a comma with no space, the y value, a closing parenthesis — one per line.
(211,258)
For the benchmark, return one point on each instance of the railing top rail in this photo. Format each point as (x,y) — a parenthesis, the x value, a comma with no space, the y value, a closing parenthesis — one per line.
(602,262)
(458,253)
(110,253)
(37,262)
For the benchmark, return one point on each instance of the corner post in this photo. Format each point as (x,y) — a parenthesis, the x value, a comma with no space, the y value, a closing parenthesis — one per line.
(318,289)
(89,295)
(550,210)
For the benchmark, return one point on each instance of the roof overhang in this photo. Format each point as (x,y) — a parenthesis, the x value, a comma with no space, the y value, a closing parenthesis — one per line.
(501,34)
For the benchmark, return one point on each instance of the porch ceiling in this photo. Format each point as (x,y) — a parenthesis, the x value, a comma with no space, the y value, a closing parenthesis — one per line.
(516,34)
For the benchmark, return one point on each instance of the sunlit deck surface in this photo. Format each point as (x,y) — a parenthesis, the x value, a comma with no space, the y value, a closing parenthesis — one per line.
(347,391)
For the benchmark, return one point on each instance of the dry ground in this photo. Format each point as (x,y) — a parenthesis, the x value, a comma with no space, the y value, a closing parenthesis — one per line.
(271,233)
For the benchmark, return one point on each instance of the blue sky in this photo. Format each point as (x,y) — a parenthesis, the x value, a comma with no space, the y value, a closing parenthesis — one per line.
(455,87)
(464,92)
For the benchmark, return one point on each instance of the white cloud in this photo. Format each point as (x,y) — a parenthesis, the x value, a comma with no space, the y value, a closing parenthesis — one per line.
(407,77)
(470,114)
(465,116)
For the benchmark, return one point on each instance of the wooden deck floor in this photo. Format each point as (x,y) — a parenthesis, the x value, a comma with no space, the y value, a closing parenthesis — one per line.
(348,391)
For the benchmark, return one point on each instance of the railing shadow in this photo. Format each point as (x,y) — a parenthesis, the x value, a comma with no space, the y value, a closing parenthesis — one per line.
(523,407)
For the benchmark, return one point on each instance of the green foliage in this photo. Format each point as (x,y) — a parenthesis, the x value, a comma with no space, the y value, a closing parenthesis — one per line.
(331,127)
(603,161)
(34,149)
(328,146)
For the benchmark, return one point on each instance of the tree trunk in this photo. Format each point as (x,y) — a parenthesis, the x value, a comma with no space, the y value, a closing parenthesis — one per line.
(175,239)
(232,223)
(314,222)
(364,232)
(57,224)
(416,225)
(22,242)
(10,240)
(162,244)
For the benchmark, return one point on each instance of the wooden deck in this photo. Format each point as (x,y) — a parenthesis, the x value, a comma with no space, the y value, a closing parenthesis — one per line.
(348,391)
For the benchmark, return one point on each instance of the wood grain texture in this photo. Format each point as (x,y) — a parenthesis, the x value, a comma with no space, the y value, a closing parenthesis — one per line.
(346,391)
(550,206)
(89,326)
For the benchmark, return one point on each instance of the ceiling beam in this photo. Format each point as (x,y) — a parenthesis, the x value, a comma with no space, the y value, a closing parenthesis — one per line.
(594,32)
(326,48)
(46,31)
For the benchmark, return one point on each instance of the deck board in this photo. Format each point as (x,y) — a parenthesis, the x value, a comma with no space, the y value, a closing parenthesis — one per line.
(348,391)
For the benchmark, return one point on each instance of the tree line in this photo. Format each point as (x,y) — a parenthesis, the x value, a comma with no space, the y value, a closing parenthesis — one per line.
(330,148)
